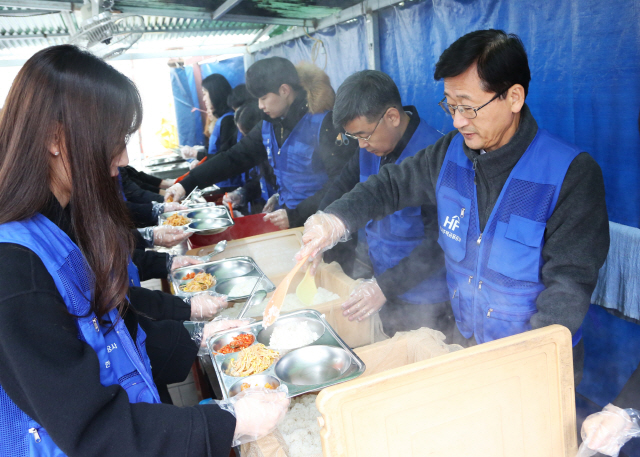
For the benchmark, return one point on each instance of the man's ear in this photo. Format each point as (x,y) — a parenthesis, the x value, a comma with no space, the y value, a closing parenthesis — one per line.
(515,97)
(285,90)
(393,116)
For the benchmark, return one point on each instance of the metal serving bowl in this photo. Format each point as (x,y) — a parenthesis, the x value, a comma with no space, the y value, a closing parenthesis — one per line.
(210,226)
(218,343)
(314,325)
(230,269)
(313,365)
(258,380)
(207,213)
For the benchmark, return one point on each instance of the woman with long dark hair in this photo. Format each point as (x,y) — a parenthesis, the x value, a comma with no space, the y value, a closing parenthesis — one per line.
(75,378)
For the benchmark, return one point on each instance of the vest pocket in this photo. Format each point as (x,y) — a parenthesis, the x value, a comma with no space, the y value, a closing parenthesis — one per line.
(453,222)
(501,322)
(516,248)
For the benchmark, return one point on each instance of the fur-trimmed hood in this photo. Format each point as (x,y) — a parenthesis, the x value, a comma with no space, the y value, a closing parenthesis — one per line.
(320,94)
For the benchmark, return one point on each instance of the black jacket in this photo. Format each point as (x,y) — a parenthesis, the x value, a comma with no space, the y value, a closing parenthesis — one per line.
(577,233)
(142,179)
(54,377)
(228,136)
(134,192)
(250,152)
(413,269)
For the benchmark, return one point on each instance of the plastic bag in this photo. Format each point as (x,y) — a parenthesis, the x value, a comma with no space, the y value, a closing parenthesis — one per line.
(607,431)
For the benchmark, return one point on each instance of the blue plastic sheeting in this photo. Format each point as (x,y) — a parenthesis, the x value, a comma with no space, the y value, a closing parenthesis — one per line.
(232,69)
(185,99)
(345,45)
(585,67)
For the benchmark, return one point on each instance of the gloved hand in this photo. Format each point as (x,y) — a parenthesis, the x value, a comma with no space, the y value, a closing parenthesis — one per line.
(205,305)
(168,207)
(322,231)
(607,431)
(175,193)
(220,324)
(193,164)
(180,261)
(188,152)
(271,204)
(279,218)
(365,299)
(258,412)
(166,183)
(168,236)
(236,198)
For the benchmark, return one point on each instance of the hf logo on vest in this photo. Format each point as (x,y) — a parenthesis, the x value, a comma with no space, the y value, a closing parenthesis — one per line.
(451,224)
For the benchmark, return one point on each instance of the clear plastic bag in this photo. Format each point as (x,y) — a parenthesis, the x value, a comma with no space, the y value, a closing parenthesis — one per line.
(607,431)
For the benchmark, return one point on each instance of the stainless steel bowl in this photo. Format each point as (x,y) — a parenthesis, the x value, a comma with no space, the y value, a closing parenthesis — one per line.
(207,213)
(258,380)
(313,365)
(225,287)
(210,226)
(218,343)
(230,269)
(182,272)
(314,325)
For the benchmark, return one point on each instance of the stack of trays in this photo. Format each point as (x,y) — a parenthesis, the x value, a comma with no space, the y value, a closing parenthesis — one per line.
(229,273)
(205,221)
(323,363)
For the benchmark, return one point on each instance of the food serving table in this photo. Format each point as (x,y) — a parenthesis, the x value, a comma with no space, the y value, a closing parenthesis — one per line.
(244,227)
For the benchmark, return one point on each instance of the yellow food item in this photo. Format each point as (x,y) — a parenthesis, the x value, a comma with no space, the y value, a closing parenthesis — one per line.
(202,281)
(252,360)
(177,220)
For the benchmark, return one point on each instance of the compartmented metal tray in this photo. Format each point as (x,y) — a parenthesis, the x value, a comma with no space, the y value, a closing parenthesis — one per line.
(205,221)
(228,272)
(323,363)
(169,158)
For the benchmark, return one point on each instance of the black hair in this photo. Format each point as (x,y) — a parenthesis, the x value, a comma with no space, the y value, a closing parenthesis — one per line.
(239,96)
(219,90)
(366,93)
(267,75)
(248,115)
(501,60)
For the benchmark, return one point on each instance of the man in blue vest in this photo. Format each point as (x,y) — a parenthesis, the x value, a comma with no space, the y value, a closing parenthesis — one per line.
(521,214)
(404,244)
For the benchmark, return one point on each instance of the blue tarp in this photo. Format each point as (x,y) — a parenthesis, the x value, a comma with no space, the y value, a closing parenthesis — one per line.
(232,69)
(185,98)
(585,68)
(345,50)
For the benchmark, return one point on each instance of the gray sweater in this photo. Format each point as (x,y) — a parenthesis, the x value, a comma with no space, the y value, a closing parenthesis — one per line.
(577,233)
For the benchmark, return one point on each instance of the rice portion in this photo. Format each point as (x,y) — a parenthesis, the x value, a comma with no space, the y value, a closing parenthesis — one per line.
(243,288)
(300,427)
(292,335)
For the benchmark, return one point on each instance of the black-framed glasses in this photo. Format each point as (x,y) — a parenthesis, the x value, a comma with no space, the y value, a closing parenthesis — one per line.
(465,110)
(354,137)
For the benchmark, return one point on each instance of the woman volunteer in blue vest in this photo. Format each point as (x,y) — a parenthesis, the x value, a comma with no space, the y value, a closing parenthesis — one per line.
(297,136)
(402,245)
(75,378)
(521,214)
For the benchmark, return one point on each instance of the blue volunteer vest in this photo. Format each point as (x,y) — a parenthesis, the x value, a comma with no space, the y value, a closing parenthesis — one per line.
(122,361)
(393,238)
(494,276)
(214,145)
(299,172)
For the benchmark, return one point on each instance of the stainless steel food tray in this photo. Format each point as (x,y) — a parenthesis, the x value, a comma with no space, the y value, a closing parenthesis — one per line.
(323,363)
(171,158)
(228,273)
(209,220)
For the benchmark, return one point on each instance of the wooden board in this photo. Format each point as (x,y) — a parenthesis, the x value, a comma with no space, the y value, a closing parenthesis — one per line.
(510,397)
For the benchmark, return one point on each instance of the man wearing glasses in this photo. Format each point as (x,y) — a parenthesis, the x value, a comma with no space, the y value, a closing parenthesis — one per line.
(521,214)
(403,244)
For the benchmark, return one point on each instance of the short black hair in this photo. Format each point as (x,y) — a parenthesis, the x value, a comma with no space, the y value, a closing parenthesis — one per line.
(248,115)
(239,96)
(501,60)
(366,93)
(267,75)
(219,90)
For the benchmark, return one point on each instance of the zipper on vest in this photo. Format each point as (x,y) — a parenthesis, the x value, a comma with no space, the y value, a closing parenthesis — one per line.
(36,435)
(454,294)
(480,285)
(95,324)
(281,138)
(461,213)
(479,239)
(489,312)
(470,278)
(475,163)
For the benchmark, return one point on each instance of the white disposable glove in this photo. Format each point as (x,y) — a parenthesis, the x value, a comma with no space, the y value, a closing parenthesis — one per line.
(271,204)
(174,206)
(322,231)
(166,183)
(365,299)
(175,193)
(220,325)
(205,305)
(279,218)
(258,412)
(168,236)
(607,431)
(188,152)
(236,198)
(180,261)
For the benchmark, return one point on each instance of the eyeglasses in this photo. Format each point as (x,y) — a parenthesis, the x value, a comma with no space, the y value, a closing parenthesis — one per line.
(465,110)
(354,137)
